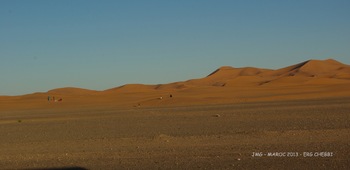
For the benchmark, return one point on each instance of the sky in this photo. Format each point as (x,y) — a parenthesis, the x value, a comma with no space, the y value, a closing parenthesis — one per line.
(103,44)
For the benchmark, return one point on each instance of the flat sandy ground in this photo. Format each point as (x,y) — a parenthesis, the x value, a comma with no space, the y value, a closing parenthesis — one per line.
(310,134)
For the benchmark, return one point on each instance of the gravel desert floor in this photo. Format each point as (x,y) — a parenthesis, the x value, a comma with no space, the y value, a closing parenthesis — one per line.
(304,134)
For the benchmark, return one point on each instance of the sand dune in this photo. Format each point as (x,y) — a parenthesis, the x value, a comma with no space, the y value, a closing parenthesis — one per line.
(309,79)
(313,68)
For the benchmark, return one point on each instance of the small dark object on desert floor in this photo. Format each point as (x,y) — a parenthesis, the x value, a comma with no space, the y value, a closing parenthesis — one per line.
(216,115)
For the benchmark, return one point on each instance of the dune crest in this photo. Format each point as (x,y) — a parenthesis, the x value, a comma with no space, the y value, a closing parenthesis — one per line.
(132,88)
(71,90)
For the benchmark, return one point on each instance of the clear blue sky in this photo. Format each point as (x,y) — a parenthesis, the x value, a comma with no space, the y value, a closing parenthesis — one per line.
(103,44)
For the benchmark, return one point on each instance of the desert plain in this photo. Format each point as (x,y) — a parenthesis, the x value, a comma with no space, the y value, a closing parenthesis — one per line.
(296,117)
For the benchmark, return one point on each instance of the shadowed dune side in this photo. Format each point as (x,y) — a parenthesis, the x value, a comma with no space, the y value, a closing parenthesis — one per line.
(224,74)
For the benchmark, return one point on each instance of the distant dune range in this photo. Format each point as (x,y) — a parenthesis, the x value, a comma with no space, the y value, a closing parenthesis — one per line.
(312,79)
